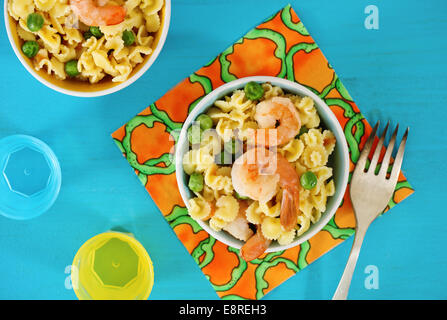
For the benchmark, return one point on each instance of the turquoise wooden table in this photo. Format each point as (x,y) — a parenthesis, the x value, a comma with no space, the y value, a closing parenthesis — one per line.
(396,73)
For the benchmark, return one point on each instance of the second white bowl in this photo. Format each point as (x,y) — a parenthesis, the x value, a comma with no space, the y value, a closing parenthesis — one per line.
(83,88)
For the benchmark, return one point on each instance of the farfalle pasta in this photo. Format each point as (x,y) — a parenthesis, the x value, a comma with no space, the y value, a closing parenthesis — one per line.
(197,160)
(218,179)
(286,237)
(254,213)
(227,208)
(54,35)
(271,228)
(217,224)
(199,208)
(271,208)
(51,65)
(292,150)
(237,204)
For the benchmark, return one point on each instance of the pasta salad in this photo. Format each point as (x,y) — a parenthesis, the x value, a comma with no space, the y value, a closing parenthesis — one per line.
(259,166)
(86,40)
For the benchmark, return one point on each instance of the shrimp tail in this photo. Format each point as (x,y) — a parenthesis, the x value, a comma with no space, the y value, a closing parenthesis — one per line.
(255,246)
(289,209)
(117,14)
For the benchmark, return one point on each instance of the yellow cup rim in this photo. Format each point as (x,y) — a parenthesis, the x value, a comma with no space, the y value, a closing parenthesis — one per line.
(124,237)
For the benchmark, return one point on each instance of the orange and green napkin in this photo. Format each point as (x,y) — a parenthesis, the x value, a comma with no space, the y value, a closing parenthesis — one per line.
(281,47)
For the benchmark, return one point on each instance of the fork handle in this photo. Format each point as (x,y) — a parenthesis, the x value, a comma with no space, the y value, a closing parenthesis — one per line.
(343,286)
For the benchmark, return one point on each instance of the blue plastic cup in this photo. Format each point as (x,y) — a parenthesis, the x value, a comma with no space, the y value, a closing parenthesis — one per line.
(30,177)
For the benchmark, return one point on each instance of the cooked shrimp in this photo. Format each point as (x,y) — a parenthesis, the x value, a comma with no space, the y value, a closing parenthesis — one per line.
(290,185)
(239,227)
(250,175)
(259,173)
(255,246)
(278,120)
(92,14)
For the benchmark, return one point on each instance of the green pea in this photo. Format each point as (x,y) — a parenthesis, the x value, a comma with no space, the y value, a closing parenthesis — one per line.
(308,180)
(128,38)
(96,32)
(195,134)
(30,48)
(205,121)
(71,68)
(87,35)
(238,196)
(253,90)
(303,129)
(34,22)
(196,182)
(233,146)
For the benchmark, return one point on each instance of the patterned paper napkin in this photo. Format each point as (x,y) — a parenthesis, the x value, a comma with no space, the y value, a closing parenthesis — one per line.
(281,47)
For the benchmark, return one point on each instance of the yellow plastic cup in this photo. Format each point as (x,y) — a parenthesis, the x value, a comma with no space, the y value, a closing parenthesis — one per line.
(112,266)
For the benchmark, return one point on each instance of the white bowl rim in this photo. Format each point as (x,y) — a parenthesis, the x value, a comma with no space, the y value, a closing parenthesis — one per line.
(99,93)
(215,94)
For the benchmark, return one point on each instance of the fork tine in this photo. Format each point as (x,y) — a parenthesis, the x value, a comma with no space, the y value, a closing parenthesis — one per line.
(375,158)
(367,148)
(399,157)
(389,151)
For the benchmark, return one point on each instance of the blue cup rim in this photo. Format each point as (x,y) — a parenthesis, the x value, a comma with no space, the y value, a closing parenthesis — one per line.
(36,205)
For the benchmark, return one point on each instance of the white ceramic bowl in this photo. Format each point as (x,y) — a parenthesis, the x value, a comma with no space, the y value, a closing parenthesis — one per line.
(81,88)
(339,158)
